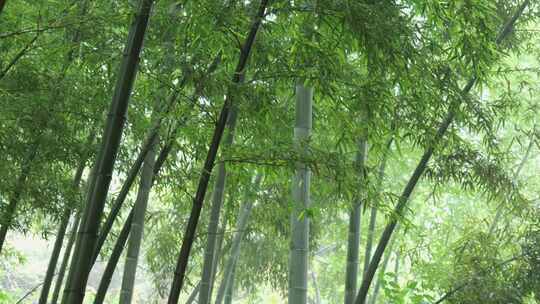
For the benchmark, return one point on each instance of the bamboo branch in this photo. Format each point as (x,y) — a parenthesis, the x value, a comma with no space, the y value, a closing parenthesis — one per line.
(18,56)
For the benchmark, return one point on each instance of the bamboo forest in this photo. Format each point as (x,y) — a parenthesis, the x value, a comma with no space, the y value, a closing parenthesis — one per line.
(270,151)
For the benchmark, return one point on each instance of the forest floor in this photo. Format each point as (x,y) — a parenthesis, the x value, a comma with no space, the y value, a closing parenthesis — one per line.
(30,257)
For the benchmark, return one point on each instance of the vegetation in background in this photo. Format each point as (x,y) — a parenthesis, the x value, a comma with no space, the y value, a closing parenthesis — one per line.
(270,151)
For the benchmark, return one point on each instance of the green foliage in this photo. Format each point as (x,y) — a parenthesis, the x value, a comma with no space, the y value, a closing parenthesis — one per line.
(381,71)
(410,293)
(6,297)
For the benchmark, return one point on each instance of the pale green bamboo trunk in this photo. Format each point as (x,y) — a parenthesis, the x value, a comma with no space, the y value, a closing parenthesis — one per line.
(373,214)
(353,243)
(370,235)
(124,191)
(65,259)
(147,177)
(213,241)
(116,252)
(137,224)
(205,293)
(219,249)
(194,294)
(396,269)
(230,287)
(112,135)
(299,250)
(241,224)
